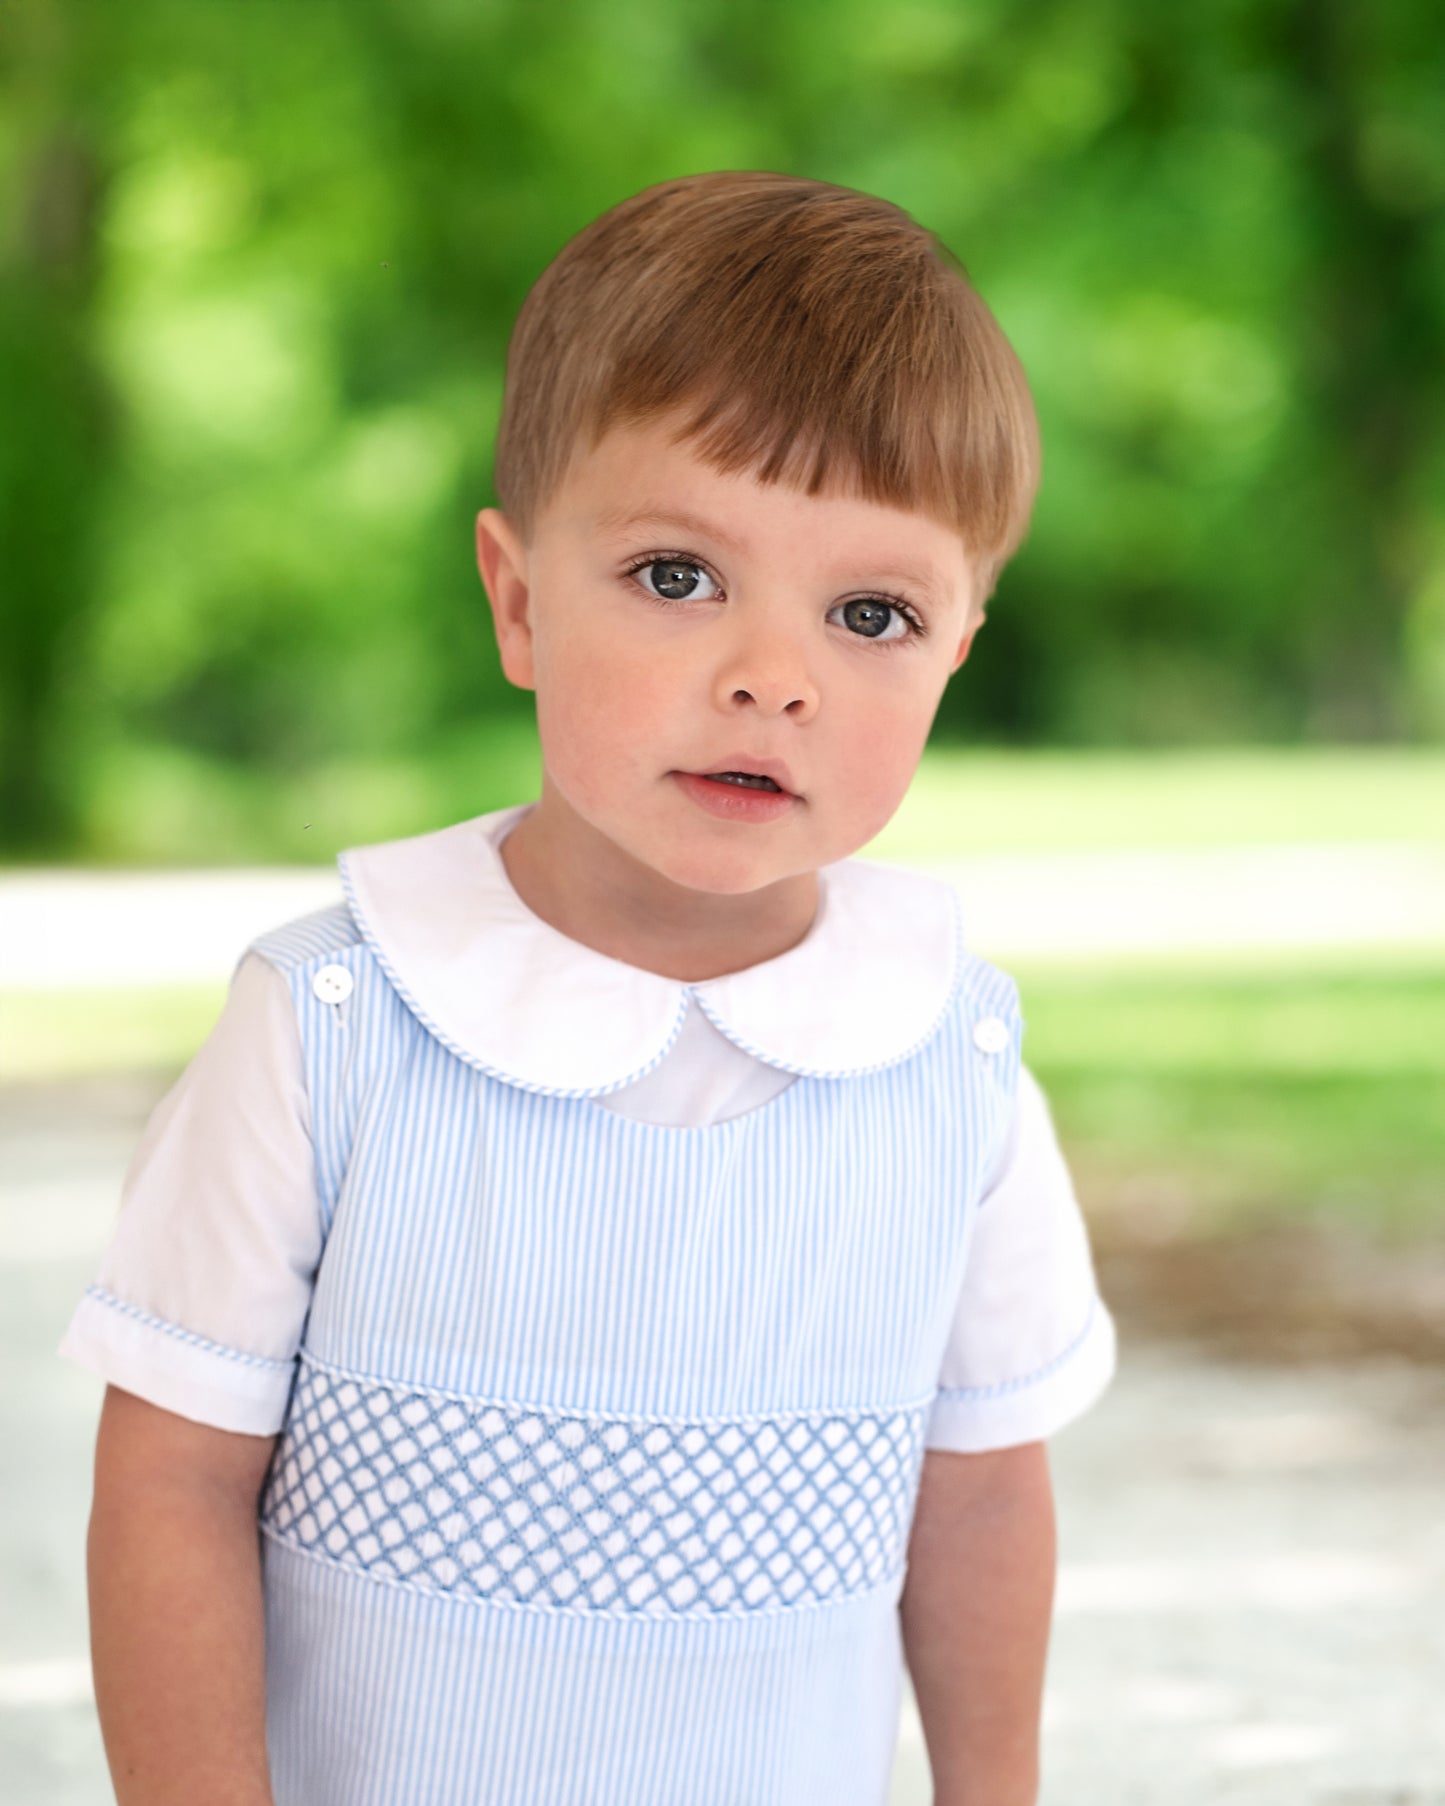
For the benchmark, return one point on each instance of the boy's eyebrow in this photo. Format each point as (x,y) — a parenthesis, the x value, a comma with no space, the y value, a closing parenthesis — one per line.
(617,520)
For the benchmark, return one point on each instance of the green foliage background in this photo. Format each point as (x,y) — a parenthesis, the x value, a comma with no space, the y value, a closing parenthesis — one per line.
(260,262)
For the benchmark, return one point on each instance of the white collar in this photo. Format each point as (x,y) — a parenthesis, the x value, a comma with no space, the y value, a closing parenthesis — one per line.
(869,983)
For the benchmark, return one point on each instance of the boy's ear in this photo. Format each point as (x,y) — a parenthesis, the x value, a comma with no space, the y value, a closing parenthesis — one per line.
(502,561)
(979,592)
(966,642)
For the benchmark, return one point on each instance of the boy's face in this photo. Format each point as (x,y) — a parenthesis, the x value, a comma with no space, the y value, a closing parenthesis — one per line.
(673,621)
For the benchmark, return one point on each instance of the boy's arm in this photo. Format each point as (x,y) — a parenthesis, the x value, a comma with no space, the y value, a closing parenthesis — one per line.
(176,1623)
(976,1608)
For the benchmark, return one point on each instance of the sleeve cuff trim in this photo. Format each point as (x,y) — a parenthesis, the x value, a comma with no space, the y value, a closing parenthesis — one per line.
(1030,1409)
(973,1395)
(176,1369)
(206,1346)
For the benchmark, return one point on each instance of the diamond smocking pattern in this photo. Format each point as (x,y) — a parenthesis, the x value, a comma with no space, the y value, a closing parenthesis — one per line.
(588,1512)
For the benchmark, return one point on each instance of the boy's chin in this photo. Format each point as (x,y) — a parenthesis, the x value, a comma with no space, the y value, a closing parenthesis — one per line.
(721,874)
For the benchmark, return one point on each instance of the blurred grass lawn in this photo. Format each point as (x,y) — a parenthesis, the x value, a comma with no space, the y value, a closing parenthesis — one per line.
(1202,1095)
(161,806)
(1203,1104)
(964,801)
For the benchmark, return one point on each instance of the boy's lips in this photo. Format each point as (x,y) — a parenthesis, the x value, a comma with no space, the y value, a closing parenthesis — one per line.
(753,766)
(732,801)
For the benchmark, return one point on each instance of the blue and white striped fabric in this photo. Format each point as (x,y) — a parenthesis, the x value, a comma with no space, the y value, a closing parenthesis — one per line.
(595,1483)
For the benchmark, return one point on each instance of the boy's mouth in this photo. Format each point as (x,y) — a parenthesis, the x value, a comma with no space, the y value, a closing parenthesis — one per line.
(737,795)
(742,777)
(750,770)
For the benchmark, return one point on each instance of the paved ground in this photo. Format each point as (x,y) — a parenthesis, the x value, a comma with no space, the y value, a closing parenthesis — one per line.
(1252,1592)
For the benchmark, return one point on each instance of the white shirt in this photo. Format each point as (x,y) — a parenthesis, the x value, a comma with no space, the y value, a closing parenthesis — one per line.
(219,1231)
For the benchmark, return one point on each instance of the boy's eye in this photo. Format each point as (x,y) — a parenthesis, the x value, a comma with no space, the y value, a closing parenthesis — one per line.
(673,579)
(867,616)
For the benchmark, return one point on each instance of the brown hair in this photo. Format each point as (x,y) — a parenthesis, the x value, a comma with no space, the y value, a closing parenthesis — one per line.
(811,334)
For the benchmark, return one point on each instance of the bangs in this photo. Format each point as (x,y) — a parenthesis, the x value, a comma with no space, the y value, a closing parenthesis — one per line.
(808,334)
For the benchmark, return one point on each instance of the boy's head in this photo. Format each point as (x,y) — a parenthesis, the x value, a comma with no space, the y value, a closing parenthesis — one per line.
(806,333)
(763,453)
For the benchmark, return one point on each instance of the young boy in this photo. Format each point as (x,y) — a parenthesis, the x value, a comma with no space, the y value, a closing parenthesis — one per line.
(617,1259)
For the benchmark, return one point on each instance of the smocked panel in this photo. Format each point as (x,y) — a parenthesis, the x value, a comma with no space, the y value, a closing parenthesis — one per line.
(589,1512)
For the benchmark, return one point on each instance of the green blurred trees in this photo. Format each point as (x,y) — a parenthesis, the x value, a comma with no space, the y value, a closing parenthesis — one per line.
(260,262)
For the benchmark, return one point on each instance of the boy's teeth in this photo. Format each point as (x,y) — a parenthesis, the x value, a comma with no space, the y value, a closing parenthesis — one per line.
(744,777)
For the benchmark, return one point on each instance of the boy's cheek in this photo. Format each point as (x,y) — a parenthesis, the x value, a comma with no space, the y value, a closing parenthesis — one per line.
(593,729)
(595,675)
(880,765)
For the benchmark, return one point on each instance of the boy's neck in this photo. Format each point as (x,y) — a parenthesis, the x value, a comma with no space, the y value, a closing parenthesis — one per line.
(588,888)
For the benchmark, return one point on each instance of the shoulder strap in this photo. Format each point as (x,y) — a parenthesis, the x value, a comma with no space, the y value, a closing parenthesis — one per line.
(321,957)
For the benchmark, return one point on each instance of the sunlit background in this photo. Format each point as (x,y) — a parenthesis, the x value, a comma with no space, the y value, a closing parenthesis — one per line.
(258,265)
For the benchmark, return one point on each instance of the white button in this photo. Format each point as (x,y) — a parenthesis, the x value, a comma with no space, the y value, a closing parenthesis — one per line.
(990,1035)
(333,984)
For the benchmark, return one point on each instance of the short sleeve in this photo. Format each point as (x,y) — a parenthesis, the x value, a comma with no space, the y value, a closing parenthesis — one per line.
(202,1293)
(1032,1344)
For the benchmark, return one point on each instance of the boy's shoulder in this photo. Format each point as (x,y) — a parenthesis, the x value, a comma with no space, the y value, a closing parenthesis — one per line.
(321,934)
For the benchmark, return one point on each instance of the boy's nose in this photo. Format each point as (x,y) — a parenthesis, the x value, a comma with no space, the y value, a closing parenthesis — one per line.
(772,672)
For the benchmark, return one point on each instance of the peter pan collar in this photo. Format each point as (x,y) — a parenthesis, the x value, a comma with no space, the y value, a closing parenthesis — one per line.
(870,982)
